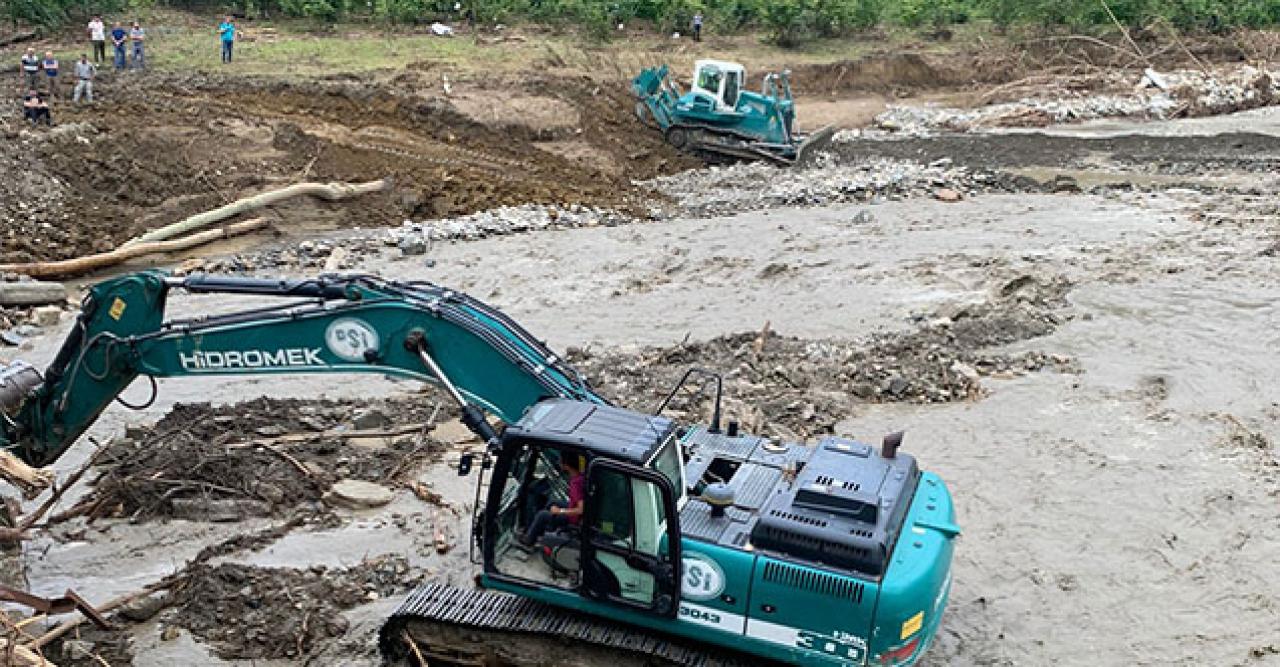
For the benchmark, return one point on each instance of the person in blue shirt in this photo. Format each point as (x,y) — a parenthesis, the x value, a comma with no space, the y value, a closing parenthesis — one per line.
(118,36)
(227,30)
(50,67)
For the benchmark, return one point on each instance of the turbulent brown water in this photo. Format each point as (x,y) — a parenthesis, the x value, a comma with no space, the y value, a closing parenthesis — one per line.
(1122,513)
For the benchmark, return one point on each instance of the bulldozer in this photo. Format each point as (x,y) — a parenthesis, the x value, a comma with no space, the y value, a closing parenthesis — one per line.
(690,545)
(719,118)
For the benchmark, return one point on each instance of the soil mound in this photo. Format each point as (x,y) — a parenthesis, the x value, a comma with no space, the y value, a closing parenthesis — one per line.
(171,145)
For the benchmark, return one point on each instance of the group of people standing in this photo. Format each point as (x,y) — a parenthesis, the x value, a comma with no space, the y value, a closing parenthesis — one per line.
(120,39)
(40,80)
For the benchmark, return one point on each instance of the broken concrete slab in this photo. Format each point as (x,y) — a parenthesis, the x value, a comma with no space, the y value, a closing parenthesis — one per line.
(358,494)
(452,433)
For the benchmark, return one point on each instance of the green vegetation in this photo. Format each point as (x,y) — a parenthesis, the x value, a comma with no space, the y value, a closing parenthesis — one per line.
(786,22)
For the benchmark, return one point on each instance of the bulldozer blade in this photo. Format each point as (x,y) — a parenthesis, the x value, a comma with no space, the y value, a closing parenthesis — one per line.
(812,145)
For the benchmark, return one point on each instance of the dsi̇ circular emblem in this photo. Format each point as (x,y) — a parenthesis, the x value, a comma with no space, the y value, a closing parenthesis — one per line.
(349,338)
(702,578)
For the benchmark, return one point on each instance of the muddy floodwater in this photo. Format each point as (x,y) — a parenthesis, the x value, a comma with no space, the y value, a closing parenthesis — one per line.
(1122,509)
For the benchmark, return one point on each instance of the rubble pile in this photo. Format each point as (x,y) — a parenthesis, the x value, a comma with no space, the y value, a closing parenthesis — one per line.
(793,388)
(255,613)
(1157,96)
(752,186)
(257,458)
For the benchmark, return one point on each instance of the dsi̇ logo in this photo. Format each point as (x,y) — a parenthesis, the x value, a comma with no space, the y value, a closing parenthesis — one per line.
(349,338)
(702,578)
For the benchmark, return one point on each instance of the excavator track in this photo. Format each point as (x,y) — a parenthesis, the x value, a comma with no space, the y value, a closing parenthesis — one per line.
(439,624)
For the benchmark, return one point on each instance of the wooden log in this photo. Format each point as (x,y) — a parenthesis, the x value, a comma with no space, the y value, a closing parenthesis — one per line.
(32,293)
(18,655)
(89,263)
(31,481)
(326,191)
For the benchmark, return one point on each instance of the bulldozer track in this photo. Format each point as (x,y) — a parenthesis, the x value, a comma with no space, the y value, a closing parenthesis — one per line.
(480,610)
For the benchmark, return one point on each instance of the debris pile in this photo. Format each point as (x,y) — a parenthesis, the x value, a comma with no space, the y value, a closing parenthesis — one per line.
(258,458)
(752,186)
(1158,96)
(795,388)
(346,251)
(254,613)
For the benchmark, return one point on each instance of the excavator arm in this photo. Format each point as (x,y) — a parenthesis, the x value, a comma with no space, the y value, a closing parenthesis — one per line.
(332,324)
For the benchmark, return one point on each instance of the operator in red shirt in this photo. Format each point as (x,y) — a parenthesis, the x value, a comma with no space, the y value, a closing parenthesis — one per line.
(560,514)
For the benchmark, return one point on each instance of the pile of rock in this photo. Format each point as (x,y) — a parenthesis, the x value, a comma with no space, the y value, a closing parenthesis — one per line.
(753,186)
(510,220)
(348,250)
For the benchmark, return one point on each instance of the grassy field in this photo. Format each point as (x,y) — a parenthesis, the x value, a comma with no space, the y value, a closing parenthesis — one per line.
(179,41)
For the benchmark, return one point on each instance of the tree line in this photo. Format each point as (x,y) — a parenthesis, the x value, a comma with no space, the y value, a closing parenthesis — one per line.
(787,22)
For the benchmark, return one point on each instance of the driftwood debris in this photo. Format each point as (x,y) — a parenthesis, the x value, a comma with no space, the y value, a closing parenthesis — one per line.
(31,481)
(326,191)
(89,263)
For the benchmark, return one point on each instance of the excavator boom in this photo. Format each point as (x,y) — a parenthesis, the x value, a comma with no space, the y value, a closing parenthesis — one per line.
(354,324)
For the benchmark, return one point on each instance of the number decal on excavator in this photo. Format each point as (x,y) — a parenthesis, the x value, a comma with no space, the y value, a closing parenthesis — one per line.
(854,652)
(350,338)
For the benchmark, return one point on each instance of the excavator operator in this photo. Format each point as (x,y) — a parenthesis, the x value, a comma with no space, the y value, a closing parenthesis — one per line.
(559,514)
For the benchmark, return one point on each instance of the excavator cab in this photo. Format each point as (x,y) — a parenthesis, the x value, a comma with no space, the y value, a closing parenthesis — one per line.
(624,549)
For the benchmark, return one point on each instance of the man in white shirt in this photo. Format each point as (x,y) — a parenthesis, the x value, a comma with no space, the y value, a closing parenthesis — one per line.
(98,35)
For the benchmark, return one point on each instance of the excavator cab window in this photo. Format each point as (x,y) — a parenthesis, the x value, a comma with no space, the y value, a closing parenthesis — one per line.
(533,482)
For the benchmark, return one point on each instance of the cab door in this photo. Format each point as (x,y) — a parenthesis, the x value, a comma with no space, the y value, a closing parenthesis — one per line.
(630,539)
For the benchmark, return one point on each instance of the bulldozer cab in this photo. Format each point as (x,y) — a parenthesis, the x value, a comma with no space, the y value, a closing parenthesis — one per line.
(721,81)
(623,470)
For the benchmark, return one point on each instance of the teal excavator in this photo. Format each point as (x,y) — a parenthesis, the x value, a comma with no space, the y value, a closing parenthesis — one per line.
(696,544)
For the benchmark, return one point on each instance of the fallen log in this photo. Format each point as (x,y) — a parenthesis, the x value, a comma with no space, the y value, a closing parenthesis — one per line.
(32,293)
(326,191)
(89,263)
(31,481)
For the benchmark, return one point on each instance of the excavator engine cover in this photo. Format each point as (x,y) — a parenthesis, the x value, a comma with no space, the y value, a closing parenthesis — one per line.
(845,509)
